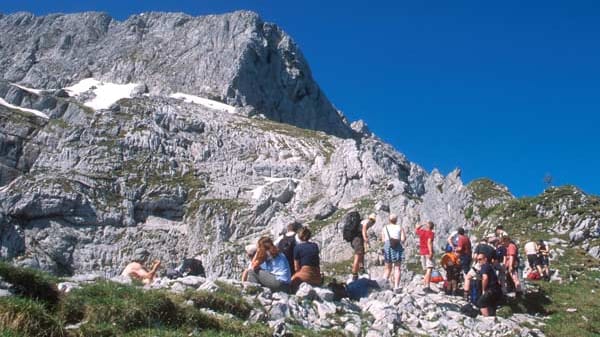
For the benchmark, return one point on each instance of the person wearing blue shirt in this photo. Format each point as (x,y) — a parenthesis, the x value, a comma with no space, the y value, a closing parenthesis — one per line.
(269,267)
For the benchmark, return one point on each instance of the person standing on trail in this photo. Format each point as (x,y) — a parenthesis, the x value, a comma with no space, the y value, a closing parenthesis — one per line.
(463,249)
(393,236)
(360,244)
(499,232)
(426,235)
(511,262)
(543,260)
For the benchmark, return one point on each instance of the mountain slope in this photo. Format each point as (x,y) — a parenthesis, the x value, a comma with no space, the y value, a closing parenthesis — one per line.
(175,146)
(235,58)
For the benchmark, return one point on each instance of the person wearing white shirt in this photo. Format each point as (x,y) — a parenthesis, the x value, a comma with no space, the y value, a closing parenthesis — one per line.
(393,235)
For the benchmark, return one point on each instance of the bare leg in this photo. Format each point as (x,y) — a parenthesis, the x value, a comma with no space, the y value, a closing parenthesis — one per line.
(539,269)
(387,271)
(427,278)
(515,277)
(357,263)
(485,311)
(397,271)
(467,285)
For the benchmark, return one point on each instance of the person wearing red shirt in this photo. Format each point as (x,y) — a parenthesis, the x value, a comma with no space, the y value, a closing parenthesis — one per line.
(426,235)
(511,262)
(463,249)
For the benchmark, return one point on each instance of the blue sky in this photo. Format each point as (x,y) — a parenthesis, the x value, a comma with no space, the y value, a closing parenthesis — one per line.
(503,90)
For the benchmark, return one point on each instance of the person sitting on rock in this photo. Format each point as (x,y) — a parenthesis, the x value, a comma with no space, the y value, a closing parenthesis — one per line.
(491,293)
(136,270)
(288,241)
(487,248)
(393,236)
(269,267)
(306,261)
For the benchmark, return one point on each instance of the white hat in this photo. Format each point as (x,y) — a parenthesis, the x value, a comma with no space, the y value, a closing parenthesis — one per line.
(251,249)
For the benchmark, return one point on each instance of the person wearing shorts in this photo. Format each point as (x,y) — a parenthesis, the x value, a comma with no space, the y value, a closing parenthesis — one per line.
(426,235)
(392,252)
(359,243)
(532,254)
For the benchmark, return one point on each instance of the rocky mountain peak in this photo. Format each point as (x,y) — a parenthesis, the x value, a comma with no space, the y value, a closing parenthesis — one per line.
(234,58)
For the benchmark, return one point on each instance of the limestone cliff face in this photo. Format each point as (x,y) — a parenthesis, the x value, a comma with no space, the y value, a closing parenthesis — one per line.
(258,144)
(234,58)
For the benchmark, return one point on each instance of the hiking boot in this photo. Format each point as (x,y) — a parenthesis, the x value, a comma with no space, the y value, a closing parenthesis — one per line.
(429,291)
(465,296)
(397,290)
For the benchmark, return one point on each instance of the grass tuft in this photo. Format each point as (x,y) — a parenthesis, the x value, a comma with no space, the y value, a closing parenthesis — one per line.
(24,316)
(31,283)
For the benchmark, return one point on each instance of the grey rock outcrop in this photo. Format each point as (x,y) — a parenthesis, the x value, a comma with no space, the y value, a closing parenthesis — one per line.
(234,58)
(86,188)
(381,313)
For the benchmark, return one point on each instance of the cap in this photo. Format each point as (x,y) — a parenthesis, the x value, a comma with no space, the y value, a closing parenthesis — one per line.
(372,216)
(251,249)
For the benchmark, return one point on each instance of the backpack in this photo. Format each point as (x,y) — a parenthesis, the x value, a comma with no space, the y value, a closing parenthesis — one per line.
(192,267)
(534,275)
(468,310)
(286,247)
(436,277)
(351,226)
(394,243)
(475,291)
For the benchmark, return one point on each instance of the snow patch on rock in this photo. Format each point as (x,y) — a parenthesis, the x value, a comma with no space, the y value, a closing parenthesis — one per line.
(106,94)
(209,103)
(35,112)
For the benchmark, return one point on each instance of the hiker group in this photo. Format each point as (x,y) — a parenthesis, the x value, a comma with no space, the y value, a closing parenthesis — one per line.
(483,275)
(491,270)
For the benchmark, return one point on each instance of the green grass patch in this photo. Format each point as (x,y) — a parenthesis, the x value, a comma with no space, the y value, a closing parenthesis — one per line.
(484,189)
(316,226)
(24,316)
(125,307)
(108,309)
(338,270)
(299,331)
(525,220)
(31,283)
(221,301)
